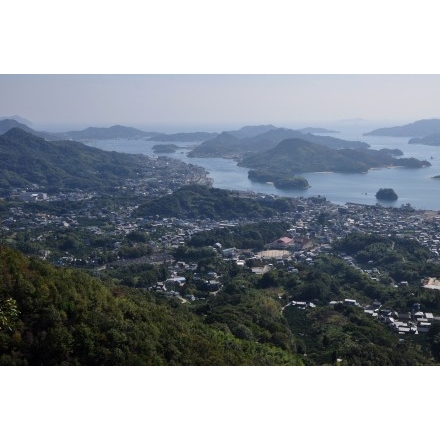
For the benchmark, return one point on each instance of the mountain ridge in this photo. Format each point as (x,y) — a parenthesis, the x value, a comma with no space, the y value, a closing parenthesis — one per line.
(420,128)
(27,159)
(301,156)
(227,145)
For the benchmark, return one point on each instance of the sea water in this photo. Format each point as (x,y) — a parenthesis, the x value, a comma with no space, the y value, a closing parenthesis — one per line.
(414,186)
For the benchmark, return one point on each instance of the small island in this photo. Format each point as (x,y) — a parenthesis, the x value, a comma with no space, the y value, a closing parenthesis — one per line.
(165,148)
(386,194)
(292,183)
(279,180)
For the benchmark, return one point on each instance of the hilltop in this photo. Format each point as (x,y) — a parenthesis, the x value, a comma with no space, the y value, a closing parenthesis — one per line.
(197,201)
(251,130)
(301,156)
(113,132)
(26,160)
(227,144)
(17,118)
(7,124)
(96,133)
(424,127)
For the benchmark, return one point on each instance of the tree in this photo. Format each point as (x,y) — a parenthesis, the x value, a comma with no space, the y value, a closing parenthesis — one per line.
(8,313)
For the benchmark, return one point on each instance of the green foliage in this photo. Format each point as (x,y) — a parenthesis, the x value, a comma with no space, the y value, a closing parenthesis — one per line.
(184,253)
(283,181)
(292,183)
(26,159)
(137,275)
(346,334)
(403,259)
(8,313)
(197,201)
(66,317)
(237,143)
(251,314)
(165,148)
(249,236)
(386,194)
(301,156)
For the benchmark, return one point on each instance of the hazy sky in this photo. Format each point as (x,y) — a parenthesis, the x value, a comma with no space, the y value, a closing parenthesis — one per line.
(172,102)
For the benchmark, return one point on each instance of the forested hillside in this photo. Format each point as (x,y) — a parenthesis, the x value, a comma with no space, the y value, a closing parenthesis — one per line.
(59,316)
(301,156)
(196,201)
(52,316)
(26,159)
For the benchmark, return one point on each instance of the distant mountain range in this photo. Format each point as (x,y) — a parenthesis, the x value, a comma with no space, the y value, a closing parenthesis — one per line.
(17,118)
(249,134)
(301,156)
(27,159)
(105,133)
(227,144)
(249,131)
(7,124)
(113,132)
(316,130)
(424,127)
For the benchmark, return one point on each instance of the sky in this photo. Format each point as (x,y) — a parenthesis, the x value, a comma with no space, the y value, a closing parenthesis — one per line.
(195,65)
(188,102)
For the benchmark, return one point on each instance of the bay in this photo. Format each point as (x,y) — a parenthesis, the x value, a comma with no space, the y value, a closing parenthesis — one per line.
(413,186)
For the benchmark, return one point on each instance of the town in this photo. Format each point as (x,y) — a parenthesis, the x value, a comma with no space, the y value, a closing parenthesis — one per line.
(98,233)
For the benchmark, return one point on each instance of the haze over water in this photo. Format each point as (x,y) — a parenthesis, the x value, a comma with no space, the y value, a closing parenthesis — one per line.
(413,186)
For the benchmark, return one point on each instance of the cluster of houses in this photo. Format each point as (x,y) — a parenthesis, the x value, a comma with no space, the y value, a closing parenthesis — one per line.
(413,322)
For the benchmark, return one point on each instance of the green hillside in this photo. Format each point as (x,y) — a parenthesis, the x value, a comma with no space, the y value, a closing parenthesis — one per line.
(301,156)
(232,144)
(60,316)
(26,159)
(196,201)
(53,316)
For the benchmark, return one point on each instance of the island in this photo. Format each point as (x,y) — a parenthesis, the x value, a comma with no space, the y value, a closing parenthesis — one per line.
(297,156)
(234,145)
(113,132)
(386,194)
(165,148)
(424,127)
(280,181)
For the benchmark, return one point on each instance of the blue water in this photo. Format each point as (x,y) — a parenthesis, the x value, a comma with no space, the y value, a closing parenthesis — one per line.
(413,186)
